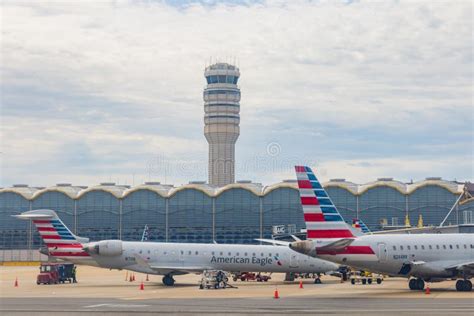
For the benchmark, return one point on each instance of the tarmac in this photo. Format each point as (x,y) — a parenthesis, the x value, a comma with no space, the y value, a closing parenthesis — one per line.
(102,291)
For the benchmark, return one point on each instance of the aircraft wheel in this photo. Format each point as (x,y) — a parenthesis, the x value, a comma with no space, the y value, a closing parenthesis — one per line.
(467,286)
(464,285)
(379,281)
(420,284)
(168,280)
(364,281)
(317,281)
(344,276)
(412,284)
(353,281)
(369,281)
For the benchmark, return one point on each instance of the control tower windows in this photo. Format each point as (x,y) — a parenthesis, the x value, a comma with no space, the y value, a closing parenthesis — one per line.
(222,79)
(211,79)
(230,92)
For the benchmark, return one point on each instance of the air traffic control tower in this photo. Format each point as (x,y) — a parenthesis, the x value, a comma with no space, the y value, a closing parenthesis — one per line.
(221,119)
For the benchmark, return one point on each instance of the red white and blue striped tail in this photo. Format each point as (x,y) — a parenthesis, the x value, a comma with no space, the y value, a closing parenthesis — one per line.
(359,225)
(323,221)
(61,242)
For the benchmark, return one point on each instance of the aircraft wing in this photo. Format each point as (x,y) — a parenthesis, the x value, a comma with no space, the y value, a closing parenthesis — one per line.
(462,266)
(176,270)
(165,269)
(418,262)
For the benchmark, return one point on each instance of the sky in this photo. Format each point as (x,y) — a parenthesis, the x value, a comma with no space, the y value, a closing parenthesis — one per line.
(100,91)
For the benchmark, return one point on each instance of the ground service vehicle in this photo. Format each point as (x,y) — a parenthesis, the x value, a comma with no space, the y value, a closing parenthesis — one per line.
(365,277)
(214,279)
(251,276)
(54,273)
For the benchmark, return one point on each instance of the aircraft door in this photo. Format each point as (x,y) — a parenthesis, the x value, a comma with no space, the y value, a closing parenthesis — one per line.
(294,260)
(383,252)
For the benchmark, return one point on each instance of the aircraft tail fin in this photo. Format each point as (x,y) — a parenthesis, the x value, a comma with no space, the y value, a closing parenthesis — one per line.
(322,218)
(59,240)
(360,226)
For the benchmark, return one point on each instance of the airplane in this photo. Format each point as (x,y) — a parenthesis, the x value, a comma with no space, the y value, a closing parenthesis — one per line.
(169,259)
(418,257)
(360,226)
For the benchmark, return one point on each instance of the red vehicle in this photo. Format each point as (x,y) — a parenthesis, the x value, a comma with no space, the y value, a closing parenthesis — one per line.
(250,276)
(54,273)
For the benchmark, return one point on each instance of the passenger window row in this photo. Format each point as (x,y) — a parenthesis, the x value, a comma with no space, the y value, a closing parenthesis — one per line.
(431,247)
(221,253)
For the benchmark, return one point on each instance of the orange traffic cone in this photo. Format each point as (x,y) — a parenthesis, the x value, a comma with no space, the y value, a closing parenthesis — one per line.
(428,291)
(301,284)
(16,282)
(276,294)
(142,286)
(147,279)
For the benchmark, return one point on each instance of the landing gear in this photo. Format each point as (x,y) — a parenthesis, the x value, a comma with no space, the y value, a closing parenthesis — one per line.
(317,280)
(464,285)
(416,284)
(168,280)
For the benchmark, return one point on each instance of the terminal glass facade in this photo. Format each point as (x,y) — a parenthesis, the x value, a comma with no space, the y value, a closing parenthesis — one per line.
(234,214)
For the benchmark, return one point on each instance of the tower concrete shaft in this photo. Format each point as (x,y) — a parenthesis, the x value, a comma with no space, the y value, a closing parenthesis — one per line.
(221,121)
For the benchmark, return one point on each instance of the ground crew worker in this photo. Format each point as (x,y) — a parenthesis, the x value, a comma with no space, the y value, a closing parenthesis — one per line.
(74,275)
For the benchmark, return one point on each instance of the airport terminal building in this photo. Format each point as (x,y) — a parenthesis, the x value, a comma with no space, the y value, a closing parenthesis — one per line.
(235,213)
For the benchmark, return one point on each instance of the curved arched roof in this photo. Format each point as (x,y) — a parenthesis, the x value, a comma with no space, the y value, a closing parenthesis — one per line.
(25,192)
(280,185)
(74,192)
(397,185)
(452,187)
(204,188)
(70,191)
(115,190)
(346,185)
(253,188)
(161,190)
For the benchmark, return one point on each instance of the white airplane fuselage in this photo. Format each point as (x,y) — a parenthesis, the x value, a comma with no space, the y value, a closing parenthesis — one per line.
(427,256)
(180,258)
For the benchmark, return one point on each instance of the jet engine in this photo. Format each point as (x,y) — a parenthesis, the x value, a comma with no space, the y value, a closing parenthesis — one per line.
(105,248)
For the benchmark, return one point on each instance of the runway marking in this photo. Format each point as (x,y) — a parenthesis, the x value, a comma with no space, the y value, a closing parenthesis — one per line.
(116,305)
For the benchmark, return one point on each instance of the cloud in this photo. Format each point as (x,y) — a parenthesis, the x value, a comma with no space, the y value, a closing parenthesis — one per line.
(101,89)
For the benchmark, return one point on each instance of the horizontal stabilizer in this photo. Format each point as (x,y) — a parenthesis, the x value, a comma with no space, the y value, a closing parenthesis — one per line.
(33,216)
(295,238)
(337,245)
(274,242)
